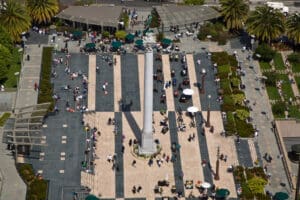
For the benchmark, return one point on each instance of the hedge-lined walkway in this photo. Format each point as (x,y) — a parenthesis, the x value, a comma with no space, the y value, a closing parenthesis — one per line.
(29,75)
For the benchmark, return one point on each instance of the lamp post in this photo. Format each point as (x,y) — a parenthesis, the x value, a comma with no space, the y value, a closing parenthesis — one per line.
(217,176)
(202,91)
(17,76)
(207,124)
(252,48)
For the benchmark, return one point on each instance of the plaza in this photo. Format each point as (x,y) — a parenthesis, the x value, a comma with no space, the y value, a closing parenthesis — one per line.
(122,100)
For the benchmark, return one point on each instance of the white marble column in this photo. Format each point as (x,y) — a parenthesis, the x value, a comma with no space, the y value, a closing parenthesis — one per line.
(147,143)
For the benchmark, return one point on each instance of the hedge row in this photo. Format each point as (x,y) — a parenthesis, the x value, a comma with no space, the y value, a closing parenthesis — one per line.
(36,186)
(45,87)
(232,95)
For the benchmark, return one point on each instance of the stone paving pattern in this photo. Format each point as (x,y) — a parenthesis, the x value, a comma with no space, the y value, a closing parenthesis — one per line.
(129,125)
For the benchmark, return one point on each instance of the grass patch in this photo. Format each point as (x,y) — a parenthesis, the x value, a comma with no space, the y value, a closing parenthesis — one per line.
(265,65)
(36,186)
(286,87)
(278,62)
(273,93)
(11,81)
(294,112)
(297,79)
(296,67)
(3,118)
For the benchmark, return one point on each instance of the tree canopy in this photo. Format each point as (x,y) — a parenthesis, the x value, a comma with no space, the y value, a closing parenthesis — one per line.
(265,23)
(42,11)
(293,27)
(15,19)
(235,13)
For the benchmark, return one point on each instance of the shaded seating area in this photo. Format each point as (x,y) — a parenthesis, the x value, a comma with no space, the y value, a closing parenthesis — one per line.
(166,42)
(90,47)
(115,46)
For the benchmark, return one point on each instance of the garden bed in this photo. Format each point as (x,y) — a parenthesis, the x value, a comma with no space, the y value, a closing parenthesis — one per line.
(37,187)
(233,104)
(273,93)
(45,87)
(3,118)
(278,62)
(265,65)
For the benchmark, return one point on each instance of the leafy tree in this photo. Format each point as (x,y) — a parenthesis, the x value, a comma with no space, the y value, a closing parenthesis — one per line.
(235,13)
(256,185)
(5,39)
(5,61)
(15,19)
(265,23)
(193,2)
(42,11)
(242,114)
(105,34)
(120,35)
(293,27)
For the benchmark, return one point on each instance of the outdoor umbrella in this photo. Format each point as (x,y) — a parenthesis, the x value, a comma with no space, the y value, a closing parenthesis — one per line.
(206,185)
(90,45)
(139,42)
(166,41)
(281,196)
(192,109)
(129,38)
(91,197)
(116,44)
(222,193)
(188,92)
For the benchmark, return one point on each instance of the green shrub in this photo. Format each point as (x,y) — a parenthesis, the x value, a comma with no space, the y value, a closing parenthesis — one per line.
(105,34)
(255,172)
(3,118)
(223,58)
(257,185)
(124,18)
(243,128)
(45,87)
(238,98)
(224,69)
(225,86)
(294,58)
(271,78)
(235,82)
(120,35)
(278,109)
(242,114)
(230,124)
(266,52)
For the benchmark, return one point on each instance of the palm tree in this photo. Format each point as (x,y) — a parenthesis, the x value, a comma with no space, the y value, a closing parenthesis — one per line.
(15,19)
(293,27)
(265,23)
(42,11)
(235,13)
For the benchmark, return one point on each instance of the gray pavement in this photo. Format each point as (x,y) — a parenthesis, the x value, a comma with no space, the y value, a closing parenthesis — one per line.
(29,75)
(266,139)
(12,186)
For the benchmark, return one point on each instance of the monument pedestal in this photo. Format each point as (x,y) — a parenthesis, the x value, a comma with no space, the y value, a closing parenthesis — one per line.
(148,146)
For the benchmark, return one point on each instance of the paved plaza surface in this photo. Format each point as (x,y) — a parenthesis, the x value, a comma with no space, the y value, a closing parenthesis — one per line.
(122,99)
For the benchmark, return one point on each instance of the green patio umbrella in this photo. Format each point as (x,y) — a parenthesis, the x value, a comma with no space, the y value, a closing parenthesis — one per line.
(166,41)
(90,45)
(281,196)
(222,193)
(139,42)
(77,33)
(129,37)
(91,197)
(116,44)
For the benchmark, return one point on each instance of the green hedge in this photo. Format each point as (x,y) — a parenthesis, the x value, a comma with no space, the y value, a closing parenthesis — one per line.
(223,58)
(36,187)
(3,118)
(230,124)
(225,86)
(45,87)
(243,128)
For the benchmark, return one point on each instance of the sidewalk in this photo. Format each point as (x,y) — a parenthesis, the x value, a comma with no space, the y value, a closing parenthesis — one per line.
(12,186)
(29,75)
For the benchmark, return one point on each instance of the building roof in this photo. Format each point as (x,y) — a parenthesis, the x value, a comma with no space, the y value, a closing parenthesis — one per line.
(106,15)
(288,128)
(172,14)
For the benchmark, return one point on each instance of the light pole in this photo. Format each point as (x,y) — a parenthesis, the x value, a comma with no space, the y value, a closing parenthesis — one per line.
(202,91)
(17,76)
(217,176)
(207,124)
